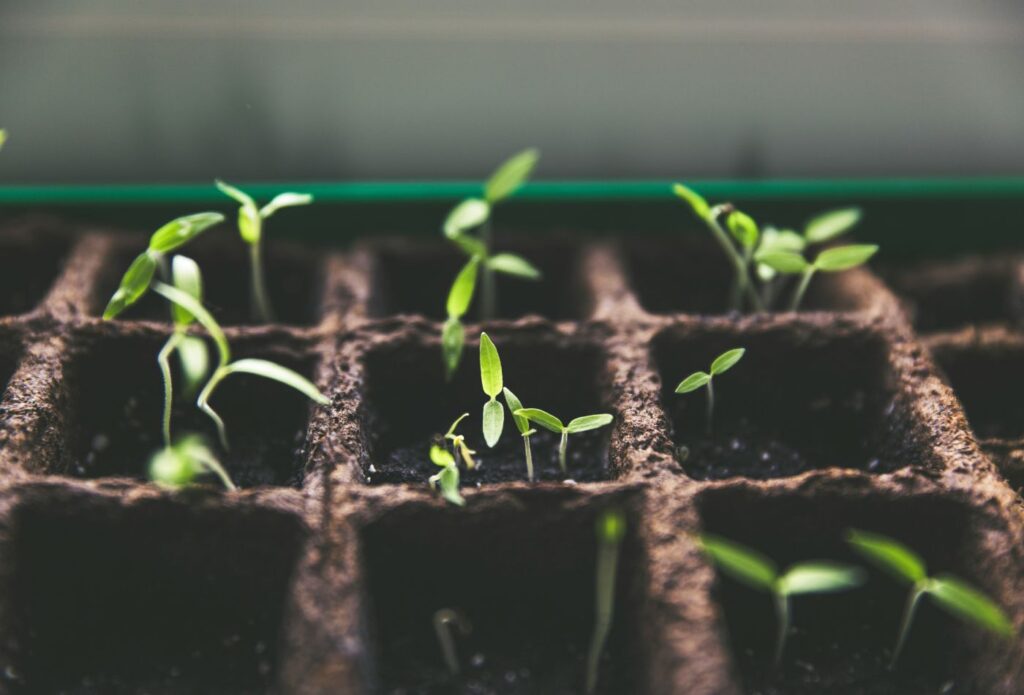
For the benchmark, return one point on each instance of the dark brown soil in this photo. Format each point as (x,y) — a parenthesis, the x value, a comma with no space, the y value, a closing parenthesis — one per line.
(29,265)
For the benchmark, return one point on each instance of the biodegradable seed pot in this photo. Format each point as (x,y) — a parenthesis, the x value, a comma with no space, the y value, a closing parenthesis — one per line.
(888,406)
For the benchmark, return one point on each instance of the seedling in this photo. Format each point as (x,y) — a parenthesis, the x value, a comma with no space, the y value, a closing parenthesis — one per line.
(465,217)
(459,446)
(723,363)
(225,367)
(758,572)
(950,593)
(611,527)
(3,138)
(250,226)
(447,479)
(523,425)
(575,426)
(444,619)
(491,380)
(179,464)
(831,260)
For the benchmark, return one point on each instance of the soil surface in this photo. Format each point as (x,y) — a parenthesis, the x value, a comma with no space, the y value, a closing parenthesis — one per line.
(28,268)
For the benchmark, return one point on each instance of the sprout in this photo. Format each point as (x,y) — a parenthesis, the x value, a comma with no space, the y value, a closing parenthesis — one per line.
(225,367)
(523,425)
(3,138)
(178,465)
(758,572)
(447,479)
(832,260)
(250,226)
(491,380)
(461,221)
(723,363)
(575,426)
(952,594)
(611,527)
(443,620)
(459,445)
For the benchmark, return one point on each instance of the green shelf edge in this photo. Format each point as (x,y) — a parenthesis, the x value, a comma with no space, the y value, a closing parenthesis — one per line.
(856,189)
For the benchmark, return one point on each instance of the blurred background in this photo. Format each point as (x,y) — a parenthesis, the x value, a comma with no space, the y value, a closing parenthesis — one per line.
(144,90)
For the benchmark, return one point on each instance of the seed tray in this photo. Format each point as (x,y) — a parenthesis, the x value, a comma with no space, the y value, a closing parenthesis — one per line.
(322,573)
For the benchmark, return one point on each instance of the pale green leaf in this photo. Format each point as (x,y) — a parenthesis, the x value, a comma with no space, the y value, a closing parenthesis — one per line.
(888,554)
(178,232)
(512,174)
(511,264)
(844,257)
(490,367)
(283,375)
(781,240)
(820,577)
(740,562)
(588,422)
(448,480)
(829,225)
(964,601)
(494,422)
(699,205)
(188,279)
(727,360)
(514,404)
(451,430)
(468,214)
(204,317)
(133,285)
(743,228)
(693,382)
(461,294)
(285,200)
(542,418)
(453,338)
(237,194)
(441,456)
(170,467)
(195,361)
(250,225)
(787,262)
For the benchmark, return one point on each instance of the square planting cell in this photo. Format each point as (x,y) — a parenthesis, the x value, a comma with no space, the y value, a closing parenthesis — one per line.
(114,396)
(803,397)
(943,295)
(294,282)
(28,268)
(153,598)
(842,643)
(409,406)
(690,274)
(414,278)
(523,577)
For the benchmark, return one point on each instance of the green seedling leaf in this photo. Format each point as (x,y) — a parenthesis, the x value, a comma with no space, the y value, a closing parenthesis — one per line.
(693,382)
(726,361)
(743,228)
(448,478)
(461,294)
(699,205)
(510,264)
(133,285)
(819,577)
(611,526)
(494,422)
(542,418)
(781,240)
(178,465)
(441,456)
(188,279)
(966,602)
(894,557)
(467,215)
(453,338)
(490,367)
(844,257)
(786,262)
(179,232)
(508,177)
(513,403)
(189,303)
(285,200)
(588,422)
(830,225)
(239,196)
(280,374)
(195,361)
(740,562)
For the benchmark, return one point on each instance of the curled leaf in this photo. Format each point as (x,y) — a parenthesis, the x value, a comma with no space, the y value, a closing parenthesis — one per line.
(285,200)
(743,228)
(699,205)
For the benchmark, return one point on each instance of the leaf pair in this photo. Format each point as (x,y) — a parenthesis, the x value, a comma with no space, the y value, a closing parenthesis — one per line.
(251,216)
(553,424)
(721,364)
(459,443)
(447,479)
(831,260)
(492,382)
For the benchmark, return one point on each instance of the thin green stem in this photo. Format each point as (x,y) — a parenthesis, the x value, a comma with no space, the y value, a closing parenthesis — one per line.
(488,281)
(908,615)
(443,621)
(262,311)
(529,457)
(711,406)
(782,612)
(798,296)
(163,359)
(203,403)
(218,470)
(607,564)
(740,268)
(562,446)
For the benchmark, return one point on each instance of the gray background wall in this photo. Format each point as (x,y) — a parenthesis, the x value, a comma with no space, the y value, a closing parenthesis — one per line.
(132,90)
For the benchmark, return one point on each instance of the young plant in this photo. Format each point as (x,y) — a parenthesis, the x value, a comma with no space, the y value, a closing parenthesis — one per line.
(723,363)
(226,367)
(575,426)
(611,527)
(951,594)
(250,226)
(831,260)
(523,425)
(758,572)
(179,464)
(465,217)
(447,479)
(459,446)
(491,380)
(444,619)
